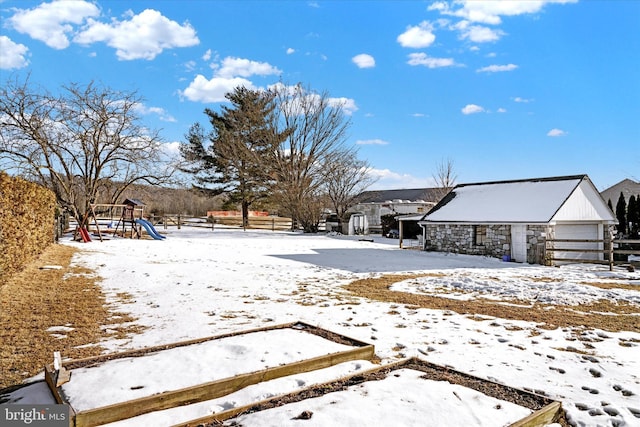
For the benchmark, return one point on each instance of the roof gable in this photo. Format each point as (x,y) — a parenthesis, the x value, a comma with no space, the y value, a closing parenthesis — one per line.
(627,187)
(584,204)
(526,201)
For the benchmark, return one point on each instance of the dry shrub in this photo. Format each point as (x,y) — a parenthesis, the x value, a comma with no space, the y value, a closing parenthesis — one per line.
(27,214)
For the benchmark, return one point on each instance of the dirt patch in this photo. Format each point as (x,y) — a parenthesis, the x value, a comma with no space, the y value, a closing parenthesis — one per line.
(56,308)
(623,317)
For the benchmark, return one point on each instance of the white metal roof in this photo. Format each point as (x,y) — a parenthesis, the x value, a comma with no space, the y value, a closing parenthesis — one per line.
(523,201)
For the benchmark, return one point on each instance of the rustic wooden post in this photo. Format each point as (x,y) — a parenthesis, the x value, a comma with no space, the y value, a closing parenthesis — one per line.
(178,221)
(400,234)
(610,251)
(213,223)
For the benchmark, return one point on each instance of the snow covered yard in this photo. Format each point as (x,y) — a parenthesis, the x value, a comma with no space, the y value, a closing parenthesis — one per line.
(198,283)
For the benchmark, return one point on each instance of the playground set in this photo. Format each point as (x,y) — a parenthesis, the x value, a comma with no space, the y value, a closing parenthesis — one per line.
(131,221)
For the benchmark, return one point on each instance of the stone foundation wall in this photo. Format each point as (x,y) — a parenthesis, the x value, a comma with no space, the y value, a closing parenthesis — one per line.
(536,243)
(460,239)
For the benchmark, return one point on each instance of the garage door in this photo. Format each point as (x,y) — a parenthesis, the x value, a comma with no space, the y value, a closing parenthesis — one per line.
(578,232)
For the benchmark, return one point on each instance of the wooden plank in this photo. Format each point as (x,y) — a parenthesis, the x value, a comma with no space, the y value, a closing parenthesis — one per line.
(577,240)
(50,376)
(577,250)
(549,413)
(542,417)
(80,363)
(626,252)
(580,260)
(213,389)
(626,241)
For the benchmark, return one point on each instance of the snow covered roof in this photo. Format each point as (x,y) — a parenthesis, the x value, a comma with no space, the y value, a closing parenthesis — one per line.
(406,195)
(539,200)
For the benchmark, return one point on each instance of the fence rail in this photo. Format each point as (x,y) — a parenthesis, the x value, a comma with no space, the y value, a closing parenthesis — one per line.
(610,248)
(255,222)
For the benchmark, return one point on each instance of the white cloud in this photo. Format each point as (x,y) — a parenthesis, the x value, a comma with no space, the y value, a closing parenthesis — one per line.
(418,36)
(172,149)
(160,112)
(228,75)
(418,115)
(497,68)
(290,51)
(491,11)
(204,90)
(371,142)
(364,60)
(51,23)
(143,36)
(480,34)
(12,55)
(387,179)
(472,109)
(522,100)
(421,58)
(502,110)
(556,132)
(240,67)
(207,55)
(348,105)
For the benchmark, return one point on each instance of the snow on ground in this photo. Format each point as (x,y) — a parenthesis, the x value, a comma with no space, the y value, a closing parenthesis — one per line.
(199,282)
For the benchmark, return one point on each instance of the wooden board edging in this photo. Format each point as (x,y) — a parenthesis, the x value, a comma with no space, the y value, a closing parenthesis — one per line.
(209,390)
(332,336)
(542,417)
(548,410)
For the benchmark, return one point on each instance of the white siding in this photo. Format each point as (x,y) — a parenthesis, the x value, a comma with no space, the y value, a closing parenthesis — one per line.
(584,204)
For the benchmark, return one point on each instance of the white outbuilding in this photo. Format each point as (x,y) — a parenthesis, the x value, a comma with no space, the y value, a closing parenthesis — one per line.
(540,220)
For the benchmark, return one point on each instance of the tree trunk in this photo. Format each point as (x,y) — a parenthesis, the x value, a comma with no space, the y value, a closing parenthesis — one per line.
(245,214)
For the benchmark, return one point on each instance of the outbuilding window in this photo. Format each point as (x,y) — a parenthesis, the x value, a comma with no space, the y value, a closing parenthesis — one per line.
(479,235)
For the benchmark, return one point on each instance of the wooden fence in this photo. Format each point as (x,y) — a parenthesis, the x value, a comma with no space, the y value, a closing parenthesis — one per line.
(272,223)
(609,249)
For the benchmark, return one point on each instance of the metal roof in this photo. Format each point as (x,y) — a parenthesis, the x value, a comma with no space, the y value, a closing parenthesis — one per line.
(537,200)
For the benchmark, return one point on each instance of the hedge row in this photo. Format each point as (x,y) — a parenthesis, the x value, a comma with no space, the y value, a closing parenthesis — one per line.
(27,215)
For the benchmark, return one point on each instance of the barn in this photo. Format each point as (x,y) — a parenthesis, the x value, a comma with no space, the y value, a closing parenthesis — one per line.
(522,220)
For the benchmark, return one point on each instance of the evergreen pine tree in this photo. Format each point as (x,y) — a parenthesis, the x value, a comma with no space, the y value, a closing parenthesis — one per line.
(621,214)
(610,205)
(633,215)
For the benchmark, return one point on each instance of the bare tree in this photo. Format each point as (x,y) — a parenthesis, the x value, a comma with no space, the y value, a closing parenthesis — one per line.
(318,130)
(86,144)
(345,177)
(444,177)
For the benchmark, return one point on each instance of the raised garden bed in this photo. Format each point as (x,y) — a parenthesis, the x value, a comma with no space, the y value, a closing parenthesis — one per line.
(114,387)
(442,396)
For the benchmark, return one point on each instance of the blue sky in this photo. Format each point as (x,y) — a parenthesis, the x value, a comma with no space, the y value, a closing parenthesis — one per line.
(504,89)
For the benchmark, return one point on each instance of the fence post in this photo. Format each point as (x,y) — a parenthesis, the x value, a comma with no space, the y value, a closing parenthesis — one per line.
(213,223)
(178,221)
(610,252)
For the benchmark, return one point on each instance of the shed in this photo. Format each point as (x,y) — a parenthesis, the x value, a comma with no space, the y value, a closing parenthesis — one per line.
(375,204)
(521,220)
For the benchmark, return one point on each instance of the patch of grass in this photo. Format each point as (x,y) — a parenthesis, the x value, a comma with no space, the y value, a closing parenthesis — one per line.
(623,317)
(35,299)
(613,285)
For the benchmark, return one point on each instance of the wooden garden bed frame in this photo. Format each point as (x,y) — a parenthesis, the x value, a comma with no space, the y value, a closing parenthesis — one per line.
(545,410)
(55,378)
